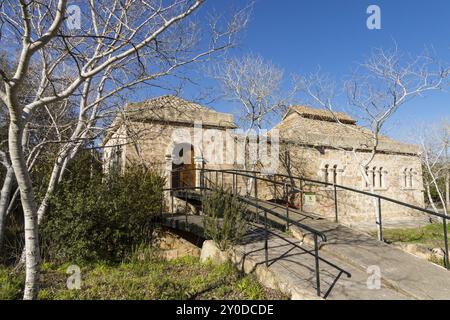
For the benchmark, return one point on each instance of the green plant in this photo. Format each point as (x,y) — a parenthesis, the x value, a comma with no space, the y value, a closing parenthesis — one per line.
(10,284)
(93,217)
(224,218)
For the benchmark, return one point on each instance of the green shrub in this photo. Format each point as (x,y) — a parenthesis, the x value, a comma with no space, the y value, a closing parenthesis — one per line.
(101,218)
(224,218)
(10,284)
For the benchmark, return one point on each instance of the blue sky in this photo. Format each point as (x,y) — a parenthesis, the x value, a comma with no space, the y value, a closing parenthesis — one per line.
(300,35)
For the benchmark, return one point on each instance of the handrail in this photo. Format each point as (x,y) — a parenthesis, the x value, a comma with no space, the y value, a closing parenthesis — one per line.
(335,186)
(315,233)
(437,214)
(301,225)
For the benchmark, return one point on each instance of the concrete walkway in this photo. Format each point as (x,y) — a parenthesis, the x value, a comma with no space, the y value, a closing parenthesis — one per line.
(291,269)
(412,276)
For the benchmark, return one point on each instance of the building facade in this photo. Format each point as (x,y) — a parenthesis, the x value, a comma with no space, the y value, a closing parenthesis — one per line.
(175,136)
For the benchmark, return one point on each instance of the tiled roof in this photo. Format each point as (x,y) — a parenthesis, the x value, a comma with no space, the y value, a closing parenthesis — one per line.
(299,126)
(320,114)
(171,108)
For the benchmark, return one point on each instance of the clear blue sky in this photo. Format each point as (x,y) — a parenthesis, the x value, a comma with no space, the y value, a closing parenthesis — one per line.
(300,35)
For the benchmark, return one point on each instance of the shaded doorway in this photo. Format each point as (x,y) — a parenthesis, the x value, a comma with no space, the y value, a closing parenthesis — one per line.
(183,165)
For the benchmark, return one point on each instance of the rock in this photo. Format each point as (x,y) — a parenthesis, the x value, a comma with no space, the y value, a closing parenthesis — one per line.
(211,252)
(173,246)
(438,252)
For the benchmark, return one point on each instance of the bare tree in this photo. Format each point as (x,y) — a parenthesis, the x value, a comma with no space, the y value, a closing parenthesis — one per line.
(120,45)
(435,143)
(256,86)
(380,86)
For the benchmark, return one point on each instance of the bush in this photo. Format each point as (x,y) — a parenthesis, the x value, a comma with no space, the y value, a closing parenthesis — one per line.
(98,218)
(224,218)
(10,284)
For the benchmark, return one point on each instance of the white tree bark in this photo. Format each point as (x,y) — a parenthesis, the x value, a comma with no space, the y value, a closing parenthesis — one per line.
(29,210)
(5,197)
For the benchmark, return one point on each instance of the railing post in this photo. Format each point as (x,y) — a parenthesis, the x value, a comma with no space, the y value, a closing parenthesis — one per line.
(379,222)
(336,213)
(234,183)
(256,197)
(162,205)
(217,179)
(447,264)
(171,202)
(301,195)
(266,240)
(287,206)
(316,256)
(186,208)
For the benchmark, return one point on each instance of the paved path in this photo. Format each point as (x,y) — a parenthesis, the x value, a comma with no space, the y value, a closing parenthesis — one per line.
(403,276)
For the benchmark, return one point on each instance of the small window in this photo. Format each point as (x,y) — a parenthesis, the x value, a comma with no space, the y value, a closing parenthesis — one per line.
(407,178)
(116,159)
(381,178)
(326,173)
(376,177)
(331,173)
(335,172)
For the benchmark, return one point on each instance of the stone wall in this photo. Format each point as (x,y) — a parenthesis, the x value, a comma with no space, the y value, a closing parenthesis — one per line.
(153,143)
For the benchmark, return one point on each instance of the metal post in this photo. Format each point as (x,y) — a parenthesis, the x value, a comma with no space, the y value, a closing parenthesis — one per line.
(172,204)
(316,256)
(234,182)
(301,195)
(217,179)
(447,264)
(380,234)
(335,204)
(222,180)
(287,206)
(162,205)
(266,240)
(186,209)
(256,198)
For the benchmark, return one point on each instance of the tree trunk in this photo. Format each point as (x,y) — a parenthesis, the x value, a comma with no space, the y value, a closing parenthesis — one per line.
(4,201)
(32,254)
(53,182)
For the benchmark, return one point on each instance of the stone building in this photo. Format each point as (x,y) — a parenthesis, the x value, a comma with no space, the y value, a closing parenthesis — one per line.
(172,134)
(161,133)
(329,147)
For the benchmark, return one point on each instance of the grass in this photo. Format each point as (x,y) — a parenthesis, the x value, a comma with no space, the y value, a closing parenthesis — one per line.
(431,235)
(144,277)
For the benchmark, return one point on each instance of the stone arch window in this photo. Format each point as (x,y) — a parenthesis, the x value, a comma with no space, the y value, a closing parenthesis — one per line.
(407,178)
(332,173)
(377,177)
(326,173)
(335,173)
(116,159)
(411,180)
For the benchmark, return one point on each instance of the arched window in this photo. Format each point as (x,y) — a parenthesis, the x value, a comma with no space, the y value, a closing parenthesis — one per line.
(335,173)
(410,177)
(407,176)
(116,159)
(366,183)
(376,177)
(380,178)
(331,173)
(326,173)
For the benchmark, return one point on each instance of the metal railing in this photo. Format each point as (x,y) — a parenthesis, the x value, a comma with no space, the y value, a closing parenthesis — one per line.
(336,187)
